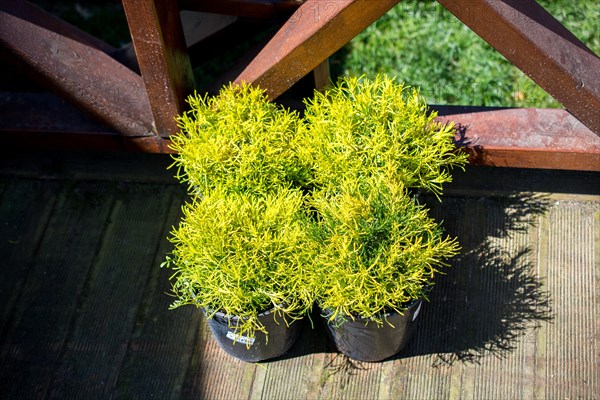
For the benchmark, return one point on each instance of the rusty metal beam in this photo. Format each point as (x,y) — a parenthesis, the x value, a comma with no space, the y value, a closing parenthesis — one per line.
(77,69)
(162,56)
(540,46)
(527,138)
(314,32)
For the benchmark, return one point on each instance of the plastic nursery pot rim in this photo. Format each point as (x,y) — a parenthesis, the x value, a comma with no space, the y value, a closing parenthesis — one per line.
(328,312)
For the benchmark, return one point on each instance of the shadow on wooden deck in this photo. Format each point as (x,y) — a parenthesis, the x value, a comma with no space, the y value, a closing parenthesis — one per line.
(84,304)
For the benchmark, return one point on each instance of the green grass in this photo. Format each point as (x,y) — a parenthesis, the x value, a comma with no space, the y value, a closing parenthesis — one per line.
(424,45)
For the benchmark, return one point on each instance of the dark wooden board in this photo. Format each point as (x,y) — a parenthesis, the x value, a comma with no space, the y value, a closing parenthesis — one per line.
(97,343)
(25,207)
(57,274)
(90,166)
(512,317)
(162,340)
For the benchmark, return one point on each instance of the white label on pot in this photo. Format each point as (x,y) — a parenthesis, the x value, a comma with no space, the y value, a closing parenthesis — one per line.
(239,338)
(417,312)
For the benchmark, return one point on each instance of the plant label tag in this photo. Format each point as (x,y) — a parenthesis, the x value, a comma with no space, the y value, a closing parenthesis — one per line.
(417,311)
(240,338)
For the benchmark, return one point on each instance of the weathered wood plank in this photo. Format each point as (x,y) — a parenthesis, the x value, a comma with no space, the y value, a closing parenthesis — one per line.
(297,375)
(81,73)
(162,341)
(528,138)
(571,340)
(477,181)
(41,18)
(84,141)
(349,379)
(505,300)
(25,207)
(224,40)
(161,51)
(314,32)
(45,306)
(39,111)
(198,26)
(106,313)
(540,46)
(32,118)
(213,374)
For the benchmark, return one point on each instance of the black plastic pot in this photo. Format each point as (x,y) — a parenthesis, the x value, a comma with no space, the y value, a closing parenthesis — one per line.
(281,336)
(365,340)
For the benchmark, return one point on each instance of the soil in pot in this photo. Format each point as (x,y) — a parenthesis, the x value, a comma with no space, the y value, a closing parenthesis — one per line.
(364,340)
(280,339)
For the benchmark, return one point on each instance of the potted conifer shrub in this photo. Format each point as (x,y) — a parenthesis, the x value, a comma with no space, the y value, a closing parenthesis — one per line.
(372,144)
(241,251)
(288,210)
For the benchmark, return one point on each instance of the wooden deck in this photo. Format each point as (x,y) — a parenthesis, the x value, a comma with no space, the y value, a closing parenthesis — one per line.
(83,309)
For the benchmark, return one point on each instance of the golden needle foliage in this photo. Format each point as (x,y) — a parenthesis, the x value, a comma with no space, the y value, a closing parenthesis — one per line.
(288,209)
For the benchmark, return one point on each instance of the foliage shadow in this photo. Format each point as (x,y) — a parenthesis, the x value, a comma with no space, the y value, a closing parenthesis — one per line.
(486,303)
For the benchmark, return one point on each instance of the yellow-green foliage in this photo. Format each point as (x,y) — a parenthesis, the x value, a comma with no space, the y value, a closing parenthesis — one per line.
(238,141)
(288,209)
(370,141)
(243,255)
(378,249)
(362,127)
(241,247)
